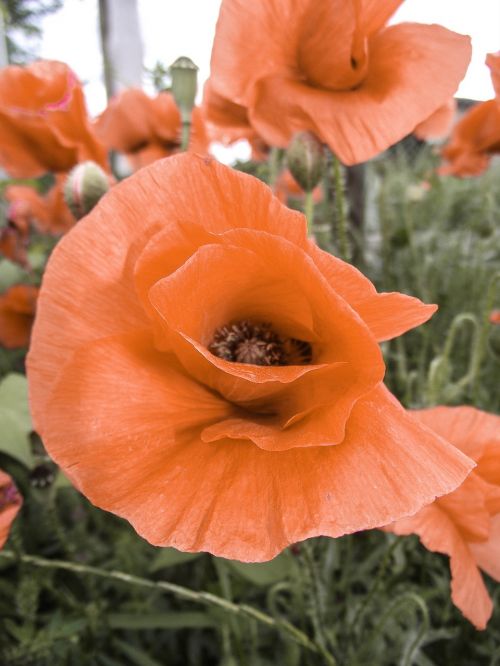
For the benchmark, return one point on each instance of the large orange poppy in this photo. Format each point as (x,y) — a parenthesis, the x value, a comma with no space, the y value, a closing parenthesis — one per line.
(17,312)
(146,129)
(466,523)
(201,368)
(476,137)
(333,67)
(43,120)
(10,503)
(48,213)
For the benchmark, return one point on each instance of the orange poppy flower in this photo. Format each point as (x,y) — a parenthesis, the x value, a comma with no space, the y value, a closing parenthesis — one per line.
(466,523)
(43,120)
(476,137)
(10,503)
(147,129)
(48,213)
(217,379)
(495,317)
(333,67)
(439,124)
(17,312)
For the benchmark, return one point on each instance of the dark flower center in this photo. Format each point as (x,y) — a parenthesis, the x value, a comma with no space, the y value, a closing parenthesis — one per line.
(256,343)
(9,496)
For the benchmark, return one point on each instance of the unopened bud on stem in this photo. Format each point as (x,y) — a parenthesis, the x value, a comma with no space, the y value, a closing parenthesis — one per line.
(85,185)
(306,160)
(184,75)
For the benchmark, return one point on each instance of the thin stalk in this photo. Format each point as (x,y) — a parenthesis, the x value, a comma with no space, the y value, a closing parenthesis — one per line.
(482,338)
(316,602)
(288,630)
(341,221)
(186,133)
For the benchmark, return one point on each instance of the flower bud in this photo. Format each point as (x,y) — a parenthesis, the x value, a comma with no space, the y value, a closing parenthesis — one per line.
(85,185)
(184,83)
(306,160)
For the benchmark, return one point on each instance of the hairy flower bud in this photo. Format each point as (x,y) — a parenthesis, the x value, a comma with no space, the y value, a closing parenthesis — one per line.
(184,83)
(306,160)
(85,185)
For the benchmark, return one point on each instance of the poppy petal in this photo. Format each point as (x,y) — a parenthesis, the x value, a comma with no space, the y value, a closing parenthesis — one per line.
(230,497)
(358,124)
(438,533)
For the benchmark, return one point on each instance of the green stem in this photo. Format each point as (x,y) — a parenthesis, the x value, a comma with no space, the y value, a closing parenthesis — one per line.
(275,159)
(482,338)
(316,604)
(206,598)
(375,585)
(186,132)
(341,221)
(309,210)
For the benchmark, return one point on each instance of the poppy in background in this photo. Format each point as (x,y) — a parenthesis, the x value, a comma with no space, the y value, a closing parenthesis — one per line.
(465,525)
(17,312)
(334,68)
(147,129)
(476,136)
(43,121)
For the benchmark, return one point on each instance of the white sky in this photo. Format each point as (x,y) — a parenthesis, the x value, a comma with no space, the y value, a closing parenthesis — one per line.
(171,28)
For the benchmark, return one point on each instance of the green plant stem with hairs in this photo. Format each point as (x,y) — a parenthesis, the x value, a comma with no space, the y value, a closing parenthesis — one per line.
(287,630)
(341,219)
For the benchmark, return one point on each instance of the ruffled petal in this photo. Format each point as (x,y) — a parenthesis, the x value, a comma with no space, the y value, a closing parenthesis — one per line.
(358,124)
(89,288)
(439,534)
(487,553)
(230,497)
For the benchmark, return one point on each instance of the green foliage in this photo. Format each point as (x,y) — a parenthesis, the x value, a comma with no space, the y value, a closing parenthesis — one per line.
(23,17)
(15,420)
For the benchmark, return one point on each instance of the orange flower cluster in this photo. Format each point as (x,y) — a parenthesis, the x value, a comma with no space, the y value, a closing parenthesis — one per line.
(17,313)
(248,410)
(466,523)
(476,137)
(147,129)
(337,70)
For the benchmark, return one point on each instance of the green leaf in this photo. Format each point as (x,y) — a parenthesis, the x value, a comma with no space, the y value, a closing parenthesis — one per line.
(15,419)
(10,274)
(177,620)
(168,557)
(265,573)
(136,656)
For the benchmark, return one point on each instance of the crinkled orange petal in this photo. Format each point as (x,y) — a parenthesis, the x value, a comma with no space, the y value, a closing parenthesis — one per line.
(374,14)
(127,121)
(17,311)
(402,87)
(438,125)
(493,62)
(387,315)
(487,553)
(466,427)
(43,120)
(438,533)
(89,291)
(238,61)
(347,359)
(330,44)
(229,497)
(228,122)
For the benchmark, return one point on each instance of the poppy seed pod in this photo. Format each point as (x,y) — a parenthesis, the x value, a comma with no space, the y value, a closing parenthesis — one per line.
(184,83)
(306,160)
(85,185)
